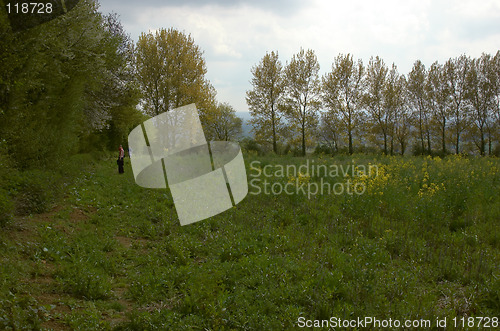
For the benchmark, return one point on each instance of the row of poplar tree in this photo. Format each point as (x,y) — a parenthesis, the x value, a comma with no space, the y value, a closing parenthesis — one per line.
(79,83)
(447,108)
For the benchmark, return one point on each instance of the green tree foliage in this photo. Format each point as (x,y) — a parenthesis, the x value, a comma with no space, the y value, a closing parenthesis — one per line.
(224,124)
(303,94)
(171,72)
(494,113)
(266,98)
(496,66)
(481,91)
(452,106)
(56,84)
(111,107)
(342,94)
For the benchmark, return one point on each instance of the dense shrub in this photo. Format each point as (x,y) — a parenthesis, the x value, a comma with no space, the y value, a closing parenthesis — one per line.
(250,144)
(7,173)
(323,149)
(6,207)
(35,192)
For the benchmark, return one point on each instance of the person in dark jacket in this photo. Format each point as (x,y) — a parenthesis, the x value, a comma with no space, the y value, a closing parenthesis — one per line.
(121,156)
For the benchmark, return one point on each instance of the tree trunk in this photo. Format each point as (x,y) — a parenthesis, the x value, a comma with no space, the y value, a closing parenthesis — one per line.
(421,133)
(275,149)
(350,142)
(429,151)
(350,134)
(489,142)
(385,143)
(303,140)
(483,143)
(443,137)
(392,145)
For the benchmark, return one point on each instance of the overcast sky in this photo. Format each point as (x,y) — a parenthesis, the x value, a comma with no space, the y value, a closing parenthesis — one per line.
(235,35)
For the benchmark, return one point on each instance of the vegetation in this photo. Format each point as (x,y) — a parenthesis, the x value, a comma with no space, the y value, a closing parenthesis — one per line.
(423,241)
(82,247)
(223,124)
(171,71)
(448,107)
(342,96)
(65,86)
(265,98)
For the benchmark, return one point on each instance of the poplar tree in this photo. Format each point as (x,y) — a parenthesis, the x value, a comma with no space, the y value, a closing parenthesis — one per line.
(373,99)
(418,104)
(481,91)
(266,98)
(438,96)
(303,94)
(342,94)
(455,71)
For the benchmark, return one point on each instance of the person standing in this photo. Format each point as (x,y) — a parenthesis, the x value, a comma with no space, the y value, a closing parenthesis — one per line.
(121,156)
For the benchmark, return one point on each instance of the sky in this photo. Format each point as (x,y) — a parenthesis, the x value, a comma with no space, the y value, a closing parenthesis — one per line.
(236,34)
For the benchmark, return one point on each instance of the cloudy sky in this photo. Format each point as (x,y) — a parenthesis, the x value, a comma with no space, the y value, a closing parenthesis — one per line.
(236,34)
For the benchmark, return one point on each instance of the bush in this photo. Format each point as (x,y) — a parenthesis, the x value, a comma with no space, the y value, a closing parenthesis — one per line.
(34,193)
(8,177)
(21,313)
(323,149)
(6,207)
(417,150)
(250,144)
(496,150)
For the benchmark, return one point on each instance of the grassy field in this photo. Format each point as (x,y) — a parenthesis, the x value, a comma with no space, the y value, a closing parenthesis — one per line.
(421,242)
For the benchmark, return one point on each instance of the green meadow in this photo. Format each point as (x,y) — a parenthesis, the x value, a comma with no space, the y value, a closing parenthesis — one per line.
(89,249)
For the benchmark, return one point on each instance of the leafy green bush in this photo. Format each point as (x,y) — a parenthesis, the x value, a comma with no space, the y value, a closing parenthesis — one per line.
(250,144)
(20,313)
(6,207)
(323,149)
(35,192)
(7,172)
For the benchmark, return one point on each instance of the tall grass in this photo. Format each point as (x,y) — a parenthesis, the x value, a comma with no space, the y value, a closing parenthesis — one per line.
(423,241)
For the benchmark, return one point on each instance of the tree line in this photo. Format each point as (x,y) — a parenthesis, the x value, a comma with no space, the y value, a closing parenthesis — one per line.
(66,86)
(79,83)
(447,108)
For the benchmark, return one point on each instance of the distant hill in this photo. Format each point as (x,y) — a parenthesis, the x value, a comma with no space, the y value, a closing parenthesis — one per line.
(245,127)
